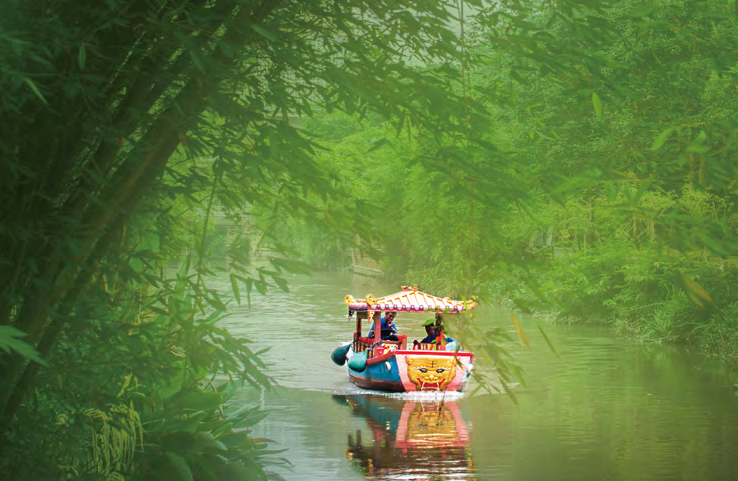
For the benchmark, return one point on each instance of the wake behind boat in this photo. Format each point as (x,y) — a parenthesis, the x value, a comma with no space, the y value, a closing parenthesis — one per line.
(385,362)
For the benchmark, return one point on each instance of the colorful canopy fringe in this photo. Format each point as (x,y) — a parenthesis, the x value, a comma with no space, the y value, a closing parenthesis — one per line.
(409,300)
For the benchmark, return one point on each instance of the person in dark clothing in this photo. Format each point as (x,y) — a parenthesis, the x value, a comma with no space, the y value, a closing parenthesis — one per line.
(435,333)
(430,330)
(387,327)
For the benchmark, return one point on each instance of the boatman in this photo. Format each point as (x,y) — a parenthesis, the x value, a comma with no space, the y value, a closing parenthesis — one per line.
(387,325)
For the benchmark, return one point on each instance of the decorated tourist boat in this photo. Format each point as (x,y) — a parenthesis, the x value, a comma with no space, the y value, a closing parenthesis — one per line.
(393,365)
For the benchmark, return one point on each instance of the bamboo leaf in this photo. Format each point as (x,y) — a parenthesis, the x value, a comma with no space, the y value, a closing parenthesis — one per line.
(236,291)
(282,283)
(597,103)
(35,89)
(508,391)
(10,341)
(661,139)
(195,56)
(515,370)
(694,289)
(379,143)
(249,286)
(548,341)
(401,122)
(521,333)
(268,34)
(697,146)
(82,56)
(180,470)
(214,300)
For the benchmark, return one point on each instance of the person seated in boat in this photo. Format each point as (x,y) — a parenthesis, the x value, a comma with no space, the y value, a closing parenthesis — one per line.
(387,326)
(430,331)
(436,333)
(440,336)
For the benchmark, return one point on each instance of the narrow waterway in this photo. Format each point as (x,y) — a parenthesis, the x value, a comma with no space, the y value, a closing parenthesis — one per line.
(605,408)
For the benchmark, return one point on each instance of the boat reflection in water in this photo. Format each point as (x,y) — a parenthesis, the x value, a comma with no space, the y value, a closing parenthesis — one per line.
(420,439)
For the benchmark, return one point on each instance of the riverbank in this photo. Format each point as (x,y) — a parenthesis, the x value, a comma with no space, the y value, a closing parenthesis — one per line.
(642,294)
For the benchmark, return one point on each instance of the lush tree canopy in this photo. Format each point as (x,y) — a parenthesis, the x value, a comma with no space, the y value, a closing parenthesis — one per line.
(604,187)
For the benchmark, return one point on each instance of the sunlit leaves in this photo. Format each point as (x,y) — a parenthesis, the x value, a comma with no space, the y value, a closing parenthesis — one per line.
(626,203)
(597,103)
(695,292)
(661,139)
(698,144)
(236,289)
(32,85)
(548,341)
(519,329)
(376,145)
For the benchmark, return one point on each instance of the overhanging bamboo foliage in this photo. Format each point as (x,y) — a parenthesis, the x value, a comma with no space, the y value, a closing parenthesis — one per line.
(122,116)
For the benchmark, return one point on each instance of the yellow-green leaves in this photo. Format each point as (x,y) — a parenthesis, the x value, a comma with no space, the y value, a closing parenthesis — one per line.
(236,290)
(548,341)
(521,333)
(695,291)
(376,145)
(597,103)
(264,32)
(661,139)
(698,144)
(32,85)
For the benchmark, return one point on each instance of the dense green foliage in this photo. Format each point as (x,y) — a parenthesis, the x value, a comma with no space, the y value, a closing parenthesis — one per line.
(604,188)
(625,116)
(126,126)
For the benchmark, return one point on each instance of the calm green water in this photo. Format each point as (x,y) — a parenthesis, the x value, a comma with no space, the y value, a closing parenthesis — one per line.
(606,409)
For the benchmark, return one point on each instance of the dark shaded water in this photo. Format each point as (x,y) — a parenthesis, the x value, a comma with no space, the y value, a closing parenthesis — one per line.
(607,408)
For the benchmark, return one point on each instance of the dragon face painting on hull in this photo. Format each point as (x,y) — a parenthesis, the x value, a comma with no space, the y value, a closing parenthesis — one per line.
(431,374)
(439,371)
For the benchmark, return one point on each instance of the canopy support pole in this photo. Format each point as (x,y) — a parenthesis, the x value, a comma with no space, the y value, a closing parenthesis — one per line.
(377,327)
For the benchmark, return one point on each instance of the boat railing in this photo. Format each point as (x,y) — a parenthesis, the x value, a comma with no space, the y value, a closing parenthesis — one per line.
(361,344)
(429,346)
(401,344)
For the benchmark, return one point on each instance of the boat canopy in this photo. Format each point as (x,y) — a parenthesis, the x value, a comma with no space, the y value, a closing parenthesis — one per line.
(409,299)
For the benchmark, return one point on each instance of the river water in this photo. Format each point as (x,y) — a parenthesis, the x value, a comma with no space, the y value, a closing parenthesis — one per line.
(605,408)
